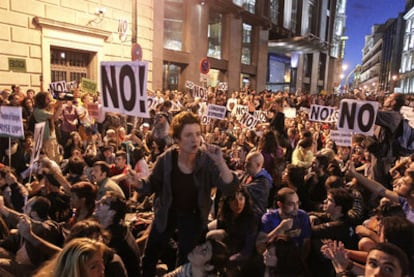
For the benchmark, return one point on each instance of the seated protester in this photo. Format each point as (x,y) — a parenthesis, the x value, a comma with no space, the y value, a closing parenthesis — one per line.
(288,222)
(333,224)
(257,181)
(119,172)
(384,259)
(23,257)
(13,191)
(237,227)
(20,154)
(59,198)
(88,228)
(303,155)
(80,257)
(110,212)
(100,175)
(75,170)
(369,231)
(283,258)
(83,229)
(107,153)
(206,259)
(397,230)
(402,193)
(315,183)
(82,201)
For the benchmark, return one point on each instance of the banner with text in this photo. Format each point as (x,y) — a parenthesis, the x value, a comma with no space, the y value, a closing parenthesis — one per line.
(89,86)
(124,87)
(323,114)
(216,111)
(341,138)
(357,117)
(38,141)
(11,124)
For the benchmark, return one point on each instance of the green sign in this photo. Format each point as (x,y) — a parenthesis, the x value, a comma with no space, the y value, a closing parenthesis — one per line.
(89,85)
(17,65)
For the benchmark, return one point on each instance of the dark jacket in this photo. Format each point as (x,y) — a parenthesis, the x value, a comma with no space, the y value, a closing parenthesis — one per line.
(206,175)
(259,189)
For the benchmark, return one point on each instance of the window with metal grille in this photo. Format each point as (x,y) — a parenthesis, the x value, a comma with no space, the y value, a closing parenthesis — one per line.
(68,65)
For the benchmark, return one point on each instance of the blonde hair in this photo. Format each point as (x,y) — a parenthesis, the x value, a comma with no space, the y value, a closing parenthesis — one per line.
(71,261)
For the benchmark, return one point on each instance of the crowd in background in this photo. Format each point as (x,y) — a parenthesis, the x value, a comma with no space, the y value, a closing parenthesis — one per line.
(171,194)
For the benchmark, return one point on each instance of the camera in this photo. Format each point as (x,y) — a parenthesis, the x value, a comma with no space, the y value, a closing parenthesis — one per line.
(62,95)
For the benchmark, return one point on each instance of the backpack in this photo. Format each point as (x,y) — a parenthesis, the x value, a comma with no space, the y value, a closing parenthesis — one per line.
(406,139)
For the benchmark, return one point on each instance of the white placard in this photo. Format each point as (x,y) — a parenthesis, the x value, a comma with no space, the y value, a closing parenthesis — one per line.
(11,124)
(216,111)
(357,117)
(124,87)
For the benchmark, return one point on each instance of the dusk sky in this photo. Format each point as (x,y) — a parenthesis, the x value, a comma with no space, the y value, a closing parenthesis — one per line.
(360,16)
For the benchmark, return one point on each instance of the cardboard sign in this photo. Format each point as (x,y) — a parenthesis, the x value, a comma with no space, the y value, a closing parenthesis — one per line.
(57,86)
(93,110)
(249,121)
(341,138)
(38,141)
(326,114)
(216,111)
(89,86)
(223,86)
(151,103)
(261,115)
(11,124)
(200,92)
(357,117)
(239,110)
(124,87)
(205,120)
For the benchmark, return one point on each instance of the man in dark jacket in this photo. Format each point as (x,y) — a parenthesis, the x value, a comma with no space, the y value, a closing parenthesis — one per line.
(258,182)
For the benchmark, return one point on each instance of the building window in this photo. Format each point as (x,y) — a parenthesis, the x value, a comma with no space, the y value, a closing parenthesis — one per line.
(274,11)
(293,19)
(214,35)
(171,76)
(307,64)
(245,81)
(248,5)
(246,57)
(312,18)
(322,66)
(68,65)
(173,24)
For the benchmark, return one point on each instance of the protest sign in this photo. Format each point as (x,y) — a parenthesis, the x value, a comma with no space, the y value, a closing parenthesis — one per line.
(11,124)
(357,116)
(124,87)
(197,91)
(89,86)
(341,138)
(324,114)
(38,141)
(216,111)
(93,110)
(249,121)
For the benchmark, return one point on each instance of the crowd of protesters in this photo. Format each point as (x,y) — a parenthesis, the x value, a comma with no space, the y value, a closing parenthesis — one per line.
(176,195)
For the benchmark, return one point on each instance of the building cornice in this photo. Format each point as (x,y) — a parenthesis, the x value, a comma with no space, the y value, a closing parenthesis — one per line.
(54,24)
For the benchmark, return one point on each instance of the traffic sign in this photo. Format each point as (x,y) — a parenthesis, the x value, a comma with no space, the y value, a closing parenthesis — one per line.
(136,52)
(204,66)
